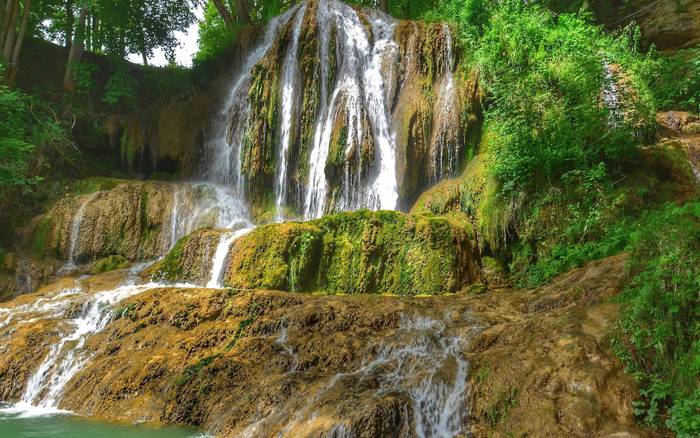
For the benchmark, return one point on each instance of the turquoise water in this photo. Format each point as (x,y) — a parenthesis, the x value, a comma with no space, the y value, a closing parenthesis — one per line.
(68,426)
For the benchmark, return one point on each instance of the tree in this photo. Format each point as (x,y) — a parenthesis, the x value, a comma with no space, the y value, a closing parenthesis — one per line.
(12,35)
(225,15)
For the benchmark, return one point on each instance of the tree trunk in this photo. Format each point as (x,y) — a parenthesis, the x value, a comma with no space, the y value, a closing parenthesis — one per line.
(76,52)
(70,22)
(243,12)
(384,6)
(225,14)
(144,58)
(10,32)
(14,62)
(10,7)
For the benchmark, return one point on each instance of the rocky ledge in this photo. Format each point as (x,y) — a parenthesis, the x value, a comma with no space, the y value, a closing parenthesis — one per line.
(487,362)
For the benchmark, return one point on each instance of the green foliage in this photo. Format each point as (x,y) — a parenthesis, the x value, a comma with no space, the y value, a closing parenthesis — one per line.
(676,80)
(214,37)
(544,75)
(16,145)
(33,144)
(83,75)
(121,89)
(661,326)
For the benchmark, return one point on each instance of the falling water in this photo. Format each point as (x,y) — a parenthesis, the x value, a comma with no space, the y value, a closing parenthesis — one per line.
(221,254)
(358,56)
(230,124)
(202,205)
(290,78)
(68,356)
(75,230)
(611,95)
(359,91)
(422,359)
(445,143)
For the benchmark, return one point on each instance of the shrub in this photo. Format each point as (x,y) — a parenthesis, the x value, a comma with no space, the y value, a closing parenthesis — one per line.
(661,327)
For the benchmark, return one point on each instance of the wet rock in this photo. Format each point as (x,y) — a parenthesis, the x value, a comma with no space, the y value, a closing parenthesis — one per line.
(259,363)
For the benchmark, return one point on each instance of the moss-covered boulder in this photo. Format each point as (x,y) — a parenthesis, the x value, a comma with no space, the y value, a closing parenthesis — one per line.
(130,220)
(136,220)
(190,259)
(351,253)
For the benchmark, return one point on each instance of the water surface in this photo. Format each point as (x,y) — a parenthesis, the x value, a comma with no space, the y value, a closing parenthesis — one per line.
(70,426)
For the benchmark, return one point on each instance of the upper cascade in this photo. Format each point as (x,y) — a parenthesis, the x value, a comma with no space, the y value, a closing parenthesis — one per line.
(340,108)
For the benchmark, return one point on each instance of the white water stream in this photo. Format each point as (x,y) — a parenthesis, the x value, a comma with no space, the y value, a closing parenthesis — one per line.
(75,231)
(358,56)
(90,313)
(423,359)
(359,92)
(290,101)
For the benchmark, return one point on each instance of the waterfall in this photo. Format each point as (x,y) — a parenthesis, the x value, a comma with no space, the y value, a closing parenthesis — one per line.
(225,142)
(611,96)
(359,91)
(68,355)
(290,77)
(203,205)
(221,254)
(75,230)
(445,143)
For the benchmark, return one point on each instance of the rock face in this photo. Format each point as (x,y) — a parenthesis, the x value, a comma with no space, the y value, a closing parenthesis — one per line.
(496,363)
(355,253)
(135,220)
(669,24)
(344,108)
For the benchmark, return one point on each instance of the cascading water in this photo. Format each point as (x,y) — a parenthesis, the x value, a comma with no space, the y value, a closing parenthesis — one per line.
(75,231)
(290,99)
(201,205)
(359,92)
(611,95)
(356,72)
(422,360)
(445,144)
(226,138)
(68,356)
(222,250)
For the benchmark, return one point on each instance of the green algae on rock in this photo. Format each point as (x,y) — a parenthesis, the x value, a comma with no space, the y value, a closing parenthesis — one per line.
(361,252)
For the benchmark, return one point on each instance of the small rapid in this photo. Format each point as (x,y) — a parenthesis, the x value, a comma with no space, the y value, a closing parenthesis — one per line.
(422,362)
(79,314)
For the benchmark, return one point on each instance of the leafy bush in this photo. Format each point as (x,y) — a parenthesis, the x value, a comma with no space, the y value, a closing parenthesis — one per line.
(661,326)
(676,80)
(121,88)
(545,76)
(32,144)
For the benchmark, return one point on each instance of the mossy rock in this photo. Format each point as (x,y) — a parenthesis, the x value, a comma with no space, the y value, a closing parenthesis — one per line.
(361,252)
(358,252)
(108,264)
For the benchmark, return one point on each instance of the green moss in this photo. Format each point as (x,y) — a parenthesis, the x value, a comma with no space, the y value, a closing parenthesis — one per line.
(95,184)
(171,267)
(358,252)
(110,263)
(42,231)
(194,369)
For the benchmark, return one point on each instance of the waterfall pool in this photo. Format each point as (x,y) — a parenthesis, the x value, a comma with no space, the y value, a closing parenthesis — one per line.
(21,425)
